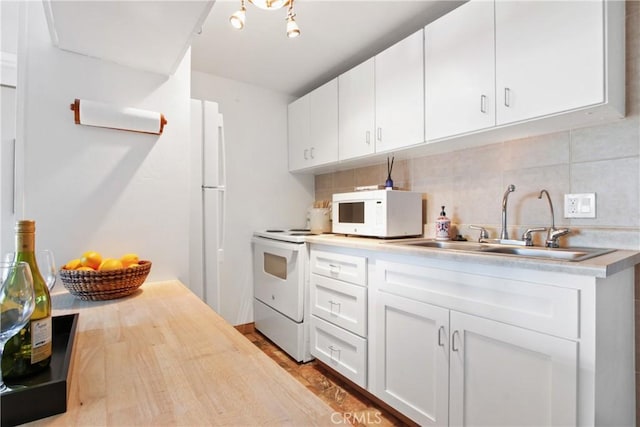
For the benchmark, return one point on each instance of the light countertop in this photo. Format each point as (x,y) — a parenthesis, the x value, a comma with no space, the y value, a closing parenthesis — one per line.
(163,357)
(601,266)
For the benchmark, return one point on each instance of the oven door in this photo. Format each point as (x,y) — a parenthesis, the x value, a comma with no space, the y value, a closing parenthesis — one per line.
(278,276)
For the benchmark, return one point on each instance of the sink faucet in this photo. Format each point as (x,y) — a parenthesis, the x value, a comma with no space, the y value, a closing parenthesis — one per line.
(504,235)
(553,233)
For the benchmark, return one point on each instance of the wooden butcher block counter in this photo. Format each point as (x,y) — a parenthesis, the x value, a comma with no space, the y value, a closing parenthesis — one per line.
(163,357)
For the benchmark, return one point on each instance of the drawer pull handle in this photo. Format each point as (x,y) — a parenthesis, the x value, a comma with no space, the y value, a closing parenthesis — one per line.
(333,349)
(454,347)
(483,103)
(331,304)
(368,137)
(440,334)
(334,268)
(507,97)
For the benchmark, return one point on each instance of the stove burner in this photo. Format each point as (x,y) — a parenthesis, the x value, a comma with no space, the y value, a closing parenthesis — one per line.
(300,229)
(275,231)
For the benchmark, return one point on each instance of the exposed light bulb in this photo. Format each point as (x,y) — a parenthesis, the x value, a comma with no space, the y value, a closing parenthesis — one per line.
(293,30)
(292,27)
(237,19)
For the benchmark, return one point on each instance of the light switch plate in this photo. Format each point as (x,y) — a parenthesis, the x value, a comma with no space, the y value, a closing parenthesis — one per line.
(580,205)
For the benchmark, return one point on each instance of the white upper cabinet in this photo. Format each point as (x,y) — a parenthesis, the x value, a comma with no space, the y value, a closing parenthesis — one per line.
(459,71)
(298,133)
(549,57)
(356,107)
(149,35)
(323,124)
(399,94)
(313,128)
(488,71)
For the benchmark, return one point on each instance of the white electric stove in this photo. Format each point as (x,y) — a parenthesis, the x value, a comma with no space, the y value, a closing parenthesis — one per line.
(281,289)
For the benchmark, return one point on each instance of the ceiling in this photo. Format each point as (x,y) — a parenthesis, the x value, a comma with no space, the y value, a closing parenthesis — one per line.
(336,36)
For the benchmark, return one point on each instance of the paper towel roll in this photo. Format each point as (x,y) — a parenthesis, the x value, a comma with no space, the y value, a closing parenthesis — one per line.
(93,113)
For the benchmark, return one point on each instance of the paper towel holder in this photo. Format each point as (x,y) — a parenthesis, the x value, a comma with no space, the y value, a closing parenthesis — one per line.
(109,116)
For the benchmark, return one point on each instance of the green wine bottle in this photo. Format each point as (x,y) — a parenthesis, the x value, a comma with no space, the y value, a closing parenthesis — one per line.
(29,351)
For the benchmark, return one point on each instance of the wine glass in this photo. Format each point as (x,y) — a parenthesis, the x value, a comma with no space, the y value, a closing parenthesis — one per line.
(46,264)
(17,302)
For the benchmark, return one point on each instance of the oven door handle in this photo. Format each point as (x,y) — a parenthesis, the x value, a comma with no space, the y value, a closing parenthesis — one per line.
(270,243)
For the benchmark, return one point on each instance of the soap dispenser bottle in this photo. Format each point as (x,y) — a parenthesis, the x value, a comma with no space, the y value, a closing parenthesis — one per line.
(443,226)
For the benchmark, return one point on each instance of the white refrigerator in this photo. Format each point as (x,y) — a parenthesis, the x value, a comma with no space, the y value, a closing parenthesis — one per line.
(207,201)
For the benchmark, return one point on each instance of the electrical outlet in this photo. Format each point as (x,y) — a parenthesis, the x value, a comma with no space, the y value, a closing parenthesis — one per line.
(580,205)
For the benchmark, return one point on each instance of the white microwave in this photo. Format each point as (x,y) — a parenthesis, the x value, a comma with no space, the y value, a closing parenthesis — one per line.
(378,213)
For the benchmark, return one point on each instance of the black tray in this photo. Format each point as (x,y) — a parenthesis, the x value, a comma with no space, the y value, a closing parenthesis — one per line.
(45,394)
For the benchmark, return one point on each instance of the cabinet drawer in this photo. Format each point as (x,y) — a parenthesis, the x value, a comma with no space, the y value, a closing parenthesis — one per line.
(340,303)
(342,351)
(352,269)
(549,309)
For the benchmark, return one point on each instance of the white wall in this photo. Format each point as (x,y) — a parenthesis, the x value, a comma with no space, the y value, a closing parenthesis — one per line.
(102,189)
(260,192)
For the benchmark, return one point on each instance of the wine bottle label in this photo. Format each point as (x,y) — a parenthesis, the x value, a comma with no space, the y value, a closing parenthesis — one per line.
(40,339)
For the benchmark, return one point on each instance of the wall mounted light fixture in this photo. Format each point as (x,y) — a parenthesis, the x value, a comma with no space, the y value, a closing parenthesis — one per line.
(237,20)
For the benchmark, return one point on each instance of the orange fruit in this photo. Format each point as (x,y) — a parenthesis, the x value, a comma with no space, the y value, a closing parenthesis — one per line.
(110,264)
(129,259)
(73,264)
(83,268)
(91,259)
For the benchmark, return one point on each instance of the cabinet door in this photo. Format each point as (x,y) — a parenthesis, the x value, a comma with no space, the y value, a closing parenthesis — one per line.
(459,71)
(400,94)
(549,57)
(323,124)
(298,133)
(412,351)
(505,375)
(356,109)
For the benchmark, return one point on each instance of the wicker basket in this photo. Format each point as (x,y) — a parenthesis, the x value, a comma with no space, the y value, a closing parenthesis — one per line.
(104,285)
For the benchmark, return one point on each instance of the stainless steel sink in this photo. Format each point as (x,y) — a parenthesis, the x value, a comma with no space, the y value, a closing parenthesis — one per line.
(566,254)
(428,243)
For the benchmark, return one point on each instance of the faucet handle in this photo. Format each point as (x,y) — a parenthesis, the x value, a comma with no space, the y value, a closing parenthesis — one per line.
(552,237)
(526,236)
(483,232)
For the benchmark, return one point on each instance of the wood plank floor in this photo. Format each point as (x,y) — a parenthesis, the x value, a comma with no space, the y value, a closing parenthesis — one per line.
(352,405)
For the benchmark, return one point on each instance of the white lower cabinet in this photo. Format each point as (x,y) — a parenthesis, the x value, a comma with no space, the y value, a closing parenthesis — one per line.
(502,375)
(412,354)
(442,367)
(462,343)
(338,302)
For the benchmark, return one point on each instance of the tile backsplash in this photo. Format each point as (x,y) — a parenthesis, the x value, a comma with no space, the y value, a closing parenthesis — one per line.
(602,159)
